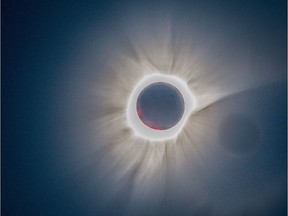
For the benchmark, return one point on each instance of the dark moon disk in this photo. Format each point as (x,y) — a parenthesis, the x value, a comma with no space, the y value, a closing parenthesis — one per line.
(160,106)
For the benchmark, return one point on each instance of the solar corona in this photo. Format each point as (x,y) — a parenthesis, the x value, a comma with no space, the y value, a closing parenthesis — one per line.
(159,107)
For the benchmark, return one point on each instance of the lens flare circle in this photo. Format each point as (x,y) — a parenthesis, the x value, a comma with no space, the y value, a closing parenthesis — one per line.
(139,128)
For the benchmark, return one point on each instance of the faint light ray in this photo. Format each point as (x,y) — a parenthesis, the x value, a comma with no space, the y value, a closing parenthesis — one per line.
(126,152)
(149,166)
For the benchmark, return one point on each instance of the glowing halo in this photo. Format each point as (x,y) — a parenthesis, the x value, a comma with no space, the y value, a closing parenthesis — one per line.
(139,128)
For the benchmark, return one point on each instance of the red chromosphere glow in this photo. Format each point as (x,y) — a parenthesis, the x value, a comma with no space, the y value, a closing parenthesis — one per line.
(147,123)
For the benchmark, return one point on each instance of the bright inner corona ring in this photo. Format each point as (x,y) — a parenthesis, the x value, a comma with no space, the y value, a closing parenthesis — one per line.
(171,90)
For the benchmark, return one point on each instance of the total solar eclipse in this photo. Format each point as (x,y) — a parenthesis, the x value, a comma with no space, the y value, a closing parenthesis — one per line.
(159,106)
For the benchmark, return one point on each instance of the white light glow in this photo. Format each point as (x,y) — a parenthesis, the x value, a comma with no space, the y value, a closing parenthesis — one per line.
(107,132)
(140,129)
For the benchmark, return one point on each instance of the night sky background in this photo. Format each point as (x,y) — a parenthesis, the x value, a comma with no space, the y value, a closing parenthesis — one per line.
(41,39)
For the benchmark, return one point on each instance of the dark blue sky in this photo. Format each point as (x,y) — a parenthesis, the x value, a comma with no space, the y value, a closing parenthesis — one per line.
(39,38)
